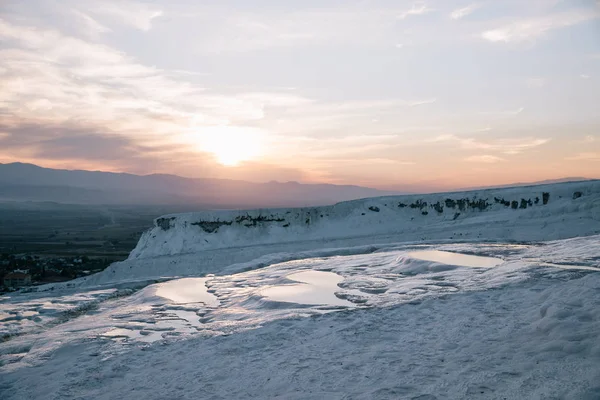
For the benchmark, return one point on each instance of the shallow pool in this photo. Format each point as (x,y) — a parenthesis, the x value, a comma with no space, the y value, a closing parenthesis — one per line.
(316,288)
(462,260)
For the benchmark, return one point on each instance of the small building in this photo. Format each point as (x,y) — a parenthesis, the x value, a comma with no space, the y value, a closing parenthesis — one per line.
(22,271)
(17,279)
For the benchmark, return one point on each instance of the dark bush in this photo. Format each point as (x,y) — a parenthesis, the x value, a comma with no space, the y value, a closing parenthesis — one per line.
(164,223)
(211,226)
(420,204)
(523,204)
(545,198)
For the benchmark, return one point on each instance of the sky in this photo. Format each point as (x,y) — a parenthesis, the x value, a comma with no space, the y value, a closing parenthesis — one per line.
(386,94)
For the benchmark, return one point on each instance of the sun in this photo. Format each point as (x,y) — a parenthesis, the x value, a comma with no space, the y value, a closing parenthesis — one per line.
(232,145)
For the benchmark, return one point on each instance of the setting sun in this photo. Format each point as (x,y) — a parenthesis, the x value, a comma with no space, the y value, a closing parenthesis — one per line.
(231,145)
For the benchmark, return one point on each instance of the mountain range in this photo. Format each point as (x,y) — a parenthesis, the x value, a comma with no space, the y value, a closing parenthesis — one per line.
(28,182)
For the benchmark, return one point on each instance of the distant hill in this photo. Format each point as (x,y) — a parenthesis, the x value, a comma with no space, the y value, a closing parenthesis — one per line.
(521,184)
(438,187)
(28,182)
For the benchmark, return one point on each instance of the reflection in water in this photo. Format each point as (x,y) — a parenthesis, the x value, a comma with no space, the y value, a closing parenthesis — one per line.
(568,266)
(187,290)
(462,260)
(318,288)
(181,308)
(142,336)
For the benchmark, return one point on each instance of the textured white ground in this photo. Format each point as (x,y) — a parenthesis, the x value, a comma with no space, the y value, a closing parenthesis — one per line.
(380,316)
(184,248)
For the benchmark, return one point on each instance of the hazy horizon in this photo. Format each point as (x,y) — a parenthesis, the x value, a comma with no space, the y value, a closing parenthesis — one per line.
(382,94)
(409,189)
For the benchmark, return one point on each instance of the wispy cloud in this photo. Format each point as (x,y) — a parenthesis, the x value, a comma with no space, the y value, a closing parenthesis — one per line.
(241,30)
(91,27)
(464,11)
(348,147)
(585,156)
(421,102)
(486,159)
(533,28)
(49,77)
(367,161)
(584,76)
(589,139)
(355,107)
(131,13)
(507,146)
(80,146)
(416,9)
(106,73)
(507,113)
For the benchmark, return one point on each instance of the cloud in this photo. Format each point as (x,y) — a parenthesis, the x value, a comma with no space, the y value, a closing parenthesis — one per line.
(238,30)
(366,161)
(308,149)
(584,76)
(507,113)
(486,159)
(104,90)
(48,76)
(507,146)
(421,102)
(527,30)
(130,13)
(85,145)
(91,27)
(77,146)
(463,12)
(91,91)
(335,117)
(586,156)
(354,106)
(589,139)
(416,9)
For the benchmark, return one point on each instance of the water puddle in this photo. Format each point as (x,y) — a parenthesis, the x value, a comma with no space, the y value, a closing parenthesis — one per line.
(187,290)
(461,260)
(142,336)
(573,267)
(28,314)
(317,288)
(182,308)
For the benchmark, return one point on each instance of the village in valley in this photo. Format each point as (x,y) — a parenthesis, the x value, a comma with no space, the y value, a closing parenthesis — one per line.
(47,242)
(19,271)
